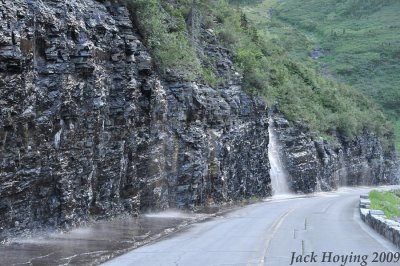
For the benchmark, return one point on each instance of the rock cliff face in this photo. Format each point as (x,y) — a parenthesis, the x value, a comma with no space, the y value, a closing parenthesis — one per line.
(314,164)
(88,129)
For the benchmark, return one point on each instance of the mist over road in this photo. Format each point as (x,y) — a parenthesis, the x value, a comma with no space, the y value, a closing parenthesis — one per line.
(268,233)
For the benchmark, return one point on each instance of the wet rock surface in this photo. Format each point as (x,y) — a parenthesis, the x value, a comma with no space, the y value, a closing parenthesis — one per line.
(314,164)
(89,130)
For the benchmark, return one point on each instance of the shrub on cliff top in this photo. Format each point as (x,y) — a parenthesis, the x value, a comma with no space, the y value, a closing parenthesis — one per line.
(164,31)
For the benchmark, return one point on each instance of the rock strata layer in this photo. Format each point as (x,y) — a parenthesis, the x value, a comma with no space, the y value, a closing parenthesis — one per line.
(88,129)
(315,164)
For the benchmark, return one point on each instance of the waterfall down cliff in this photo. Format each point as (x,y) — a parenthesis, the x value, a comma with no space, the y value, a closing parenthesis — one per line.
(277,172)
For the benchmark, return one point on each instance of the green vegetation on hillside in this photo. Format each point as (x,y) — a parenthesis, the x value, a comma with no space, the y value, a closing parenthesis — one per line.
(326,106)
(397,133)
(386,201)
(358,41)
(164,30)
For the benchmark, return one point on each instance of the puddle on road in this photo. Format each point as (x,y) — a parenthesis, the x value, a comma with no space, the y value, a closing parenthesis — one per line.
(95,243)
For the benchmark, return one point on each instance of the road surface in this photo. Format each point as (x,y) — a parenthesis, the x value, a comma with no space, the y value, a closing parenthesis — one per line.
(326,227)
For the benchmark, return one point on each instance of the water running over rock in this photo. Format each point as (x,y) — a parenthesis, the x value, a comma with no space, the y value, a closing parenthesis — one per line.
(277,172)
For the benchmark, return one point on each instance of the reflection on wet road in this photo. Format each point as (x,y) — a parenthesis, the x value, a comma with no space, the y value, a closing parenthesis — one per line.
(269,233)
(93,244)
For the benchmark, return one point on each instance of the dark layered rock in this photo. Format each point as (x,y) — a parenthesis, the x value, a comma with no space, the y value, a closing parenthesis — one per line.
(315,164)
(88,129)
(211,162)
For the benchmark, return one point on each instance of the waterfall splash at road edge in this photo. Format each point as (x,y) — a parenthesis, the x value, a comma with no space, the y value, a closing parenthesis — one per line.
(278,173)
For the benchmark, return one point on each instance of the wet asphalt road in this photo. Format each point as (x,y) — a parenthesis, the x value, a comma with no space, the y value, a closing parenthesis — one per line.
(268,233)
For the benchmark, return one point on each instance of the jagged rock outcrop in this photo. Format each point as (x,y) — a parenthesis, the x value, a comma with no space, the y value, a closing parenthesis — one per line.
(88,129)
(314,164)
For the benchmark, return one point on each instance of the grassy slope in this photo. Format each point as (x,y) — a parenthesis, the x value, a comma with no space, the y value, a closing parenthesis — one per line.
(397,132)
(360,39)
(385,201)
(171,31)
